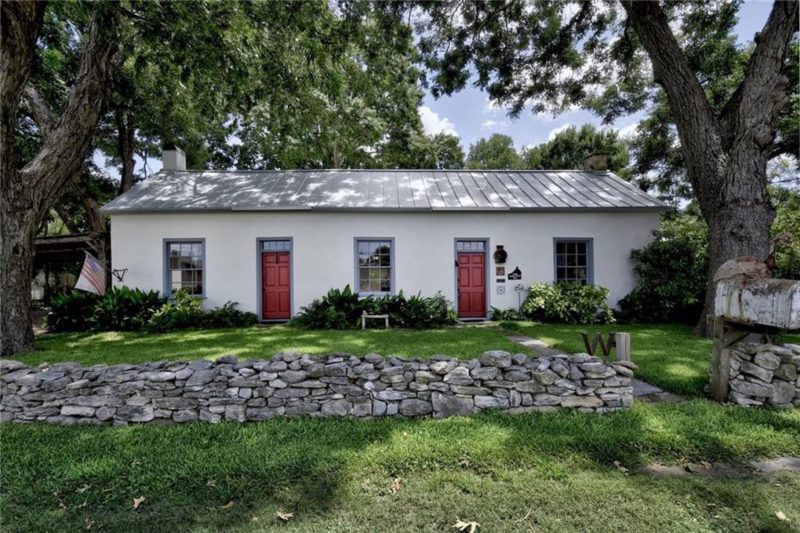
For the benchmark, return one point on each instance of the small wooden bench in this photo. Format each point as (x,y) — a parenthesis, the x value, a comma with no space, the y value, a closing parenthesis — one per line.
(365,316)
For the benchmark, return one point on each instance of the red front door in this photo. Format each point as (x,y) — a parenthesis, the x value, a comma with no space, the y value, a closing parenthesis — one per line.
(471,285)
(275,300)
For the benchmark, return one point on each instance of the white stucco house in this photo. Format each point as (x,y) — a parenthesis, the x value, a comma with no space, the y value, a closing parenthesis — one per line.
(273,241)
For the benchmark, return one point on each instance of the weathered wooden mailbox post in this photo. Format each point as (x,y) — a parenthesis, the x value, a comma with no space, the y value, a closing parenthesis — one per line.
(746,306)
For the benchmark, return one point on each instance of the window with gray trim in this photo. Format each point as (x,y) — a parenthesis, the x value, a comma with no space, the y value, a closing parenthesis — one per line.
(185,267)
(374,266)
(573,260)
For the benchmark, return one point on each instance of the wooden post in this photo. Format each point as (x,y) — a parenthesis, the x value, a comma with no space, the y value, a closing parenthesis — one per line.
(622,343)
(720,362)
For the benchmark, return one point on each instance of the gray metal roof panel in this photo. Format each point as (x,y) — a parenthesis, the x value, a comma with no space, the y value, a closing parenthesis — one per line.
(382,190)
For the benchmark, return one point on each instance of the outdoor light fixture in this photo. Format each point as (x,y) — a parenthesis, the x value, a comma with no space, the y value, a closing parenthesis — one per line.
(500,255)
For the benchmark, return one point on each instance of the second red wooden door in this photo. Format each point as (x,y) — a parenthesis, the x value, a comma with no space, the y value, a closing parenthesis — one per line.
(471,285)
(275,286)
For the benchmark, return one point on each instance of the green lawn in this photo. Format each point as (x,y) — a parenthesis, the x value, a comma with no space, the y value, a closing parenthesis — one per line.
(668,355)
(543,472)
(257,341)
(549,472)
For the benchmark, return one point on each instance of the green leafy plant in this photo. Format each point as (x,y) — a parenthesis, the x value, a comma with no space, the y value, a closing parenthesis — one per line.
(506,314)
(672,280)
(181,312)
(567,303)
(71,311)
(228,316)
(342,309)
(125,309)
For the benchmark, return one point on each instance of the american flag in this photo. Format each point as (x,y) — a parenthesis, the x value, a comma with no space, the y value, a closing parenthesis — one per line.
(93,277)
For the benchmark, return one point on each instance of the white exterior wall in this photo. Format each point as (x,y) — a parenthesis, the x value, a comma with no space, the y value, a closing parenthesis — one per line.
(323,249)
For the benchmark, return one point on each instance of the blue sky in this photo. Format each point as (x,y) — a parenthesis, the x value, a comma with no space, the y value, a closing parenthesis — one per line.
(469,115)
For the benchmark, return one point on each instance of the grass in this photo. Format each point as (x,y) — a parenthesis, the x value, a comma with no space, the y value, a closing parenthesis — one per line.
(549,472)
(259,342)
(668,355)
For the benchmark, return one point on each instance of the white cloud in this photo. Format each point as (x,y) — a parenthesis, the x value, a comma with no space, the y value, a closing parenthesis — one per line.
(435,124)
(556,131)
(628,131)
(493,124)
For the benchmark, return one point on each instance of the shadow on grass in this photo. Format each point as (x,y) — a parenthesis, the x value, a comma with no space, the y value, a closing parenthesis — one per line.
(189,473)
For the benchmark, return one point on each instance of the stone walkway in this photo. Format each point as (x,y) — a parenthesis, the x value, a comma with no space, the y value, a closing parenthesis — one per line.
(641,390)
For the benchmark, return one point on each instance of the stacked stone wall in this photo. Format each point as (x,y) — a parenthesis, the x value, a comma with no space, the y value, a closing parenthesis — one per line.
(292,384)
(765,374)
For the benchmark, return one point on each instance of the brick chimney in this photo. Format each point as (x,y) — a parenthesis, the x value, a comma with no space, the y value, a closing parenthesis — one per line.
(173,158)
(596,161)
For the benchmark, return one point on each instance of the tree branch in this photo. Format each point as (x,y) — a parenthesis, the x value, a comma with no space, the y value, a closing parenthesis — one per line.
(764,87)
(41,112)
(63,152)
(697,124)
(21,23)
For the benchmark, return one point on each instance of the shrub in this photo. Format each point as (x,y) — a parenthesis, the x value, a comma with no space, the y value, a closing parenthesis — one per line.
(183,311)
(125,309)
(672,280)
(568,303)
(506,314)
(414,312)
(342,309)
(228,316)
(72,311)
(339,309)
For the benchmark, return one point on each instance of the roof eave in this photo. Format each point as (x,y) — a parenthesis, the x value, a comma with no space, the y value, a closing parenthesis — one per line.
(126,211)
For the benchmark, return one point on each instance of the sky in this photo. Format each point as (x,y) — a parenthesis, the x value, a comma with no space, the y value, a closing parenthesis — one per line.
(469,114)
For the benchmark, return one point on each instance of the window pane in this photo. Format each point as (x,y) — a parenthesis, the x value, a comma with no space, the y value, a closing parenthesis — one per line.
(581,247)
(374,265)
(185,267)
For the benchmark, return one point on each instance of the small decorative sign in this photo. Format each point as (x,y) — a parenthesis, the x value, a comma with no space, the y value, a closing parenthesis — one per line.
(515,274)
(500,280)
(499,271)
(501,289)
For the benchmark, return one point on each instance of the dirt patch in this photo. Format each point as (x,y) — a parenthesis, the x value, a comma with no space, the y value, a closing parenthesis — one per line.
(724,470)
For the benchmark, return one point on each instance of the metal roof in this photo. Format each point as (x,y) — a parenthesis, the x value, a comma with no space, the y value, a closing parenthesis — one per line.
(382,190)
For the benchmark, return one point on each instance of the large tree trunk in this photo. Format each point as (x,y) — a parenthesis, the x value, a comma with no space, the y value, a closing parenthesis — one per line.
(126,146)
(725,153)
(17,232)
(20,23)
(27,194)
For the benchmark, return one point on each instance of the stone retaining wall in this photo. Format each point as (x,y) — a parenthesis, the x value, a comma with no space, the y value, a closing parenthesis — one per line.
(765,374)
(292,384)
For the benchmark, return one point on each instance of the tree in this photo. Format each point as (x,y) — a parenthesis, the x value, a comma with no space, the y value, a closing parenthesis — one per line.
(549,56)
(496,152)
(440,151)
(302,84)
(28,191)
(447,152)
(570,147)
(787,221)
